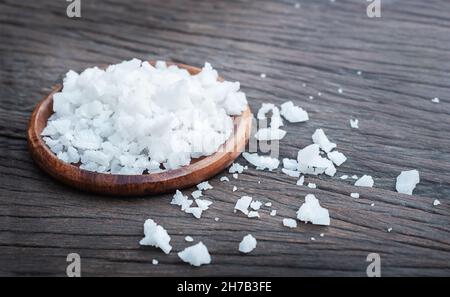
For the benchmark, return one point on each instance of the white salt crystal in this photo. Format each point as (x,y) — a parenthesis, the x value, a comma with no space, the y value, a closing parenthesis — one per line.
(247,244)
(435,100)
(337,157)
(321,139)
(156,235)
(181,200)
(273,213)
(322,235)
(256,205)
(407,181)
(291,173)
(354,195)
(195,211)
(236,168)
(354,123)
(235,175)
(268,204)
(265,134)
(301,181)
(155,262)
(204,186)
(243,204)
(234,188)
(203,204)
(133,118)
(312,185)
(310,97)
(340,91)
(261,162)
(224,179)
(345,176)
(354,176)
(263,75)
(189,239)
(293,113)
(216,219)
(290,164)
(359,72)
(373,204)
(310,161)
(196,255)
(364,181)
(436,202)
(291,223)
(196,194)
(253,214)
(311,211)
(389,230)
(313,238)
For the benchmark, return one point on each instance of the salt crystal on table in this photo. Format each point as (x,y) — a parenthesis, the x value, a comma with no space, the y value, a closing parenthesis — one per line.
(204,186)
(435,100)
(224,179)
(235,176)
(263,75)
(312,238)
(354,195)
(354,176)
(436,202)
(189,239)
(203,204)
(354,123)
(364,181)
(291,173)
(290,164)
(268,204)
(261,162)
(373,204)
(273,213)
(243,204)
(312,185)
(265,134)
(155,262)
(247,244)
(389,230)
(253,214)
(181,200)
(301,181)
(216,219)
(310,161)
(344,176)
(236,168)
(407,181)
(291,223)
(234,188)
(196,194)
(321,139)
(340,91)
(195,211)
(337,158)
(293,113)
(196,255)
(256,205)
(311,211)
(322,235)
(156,235)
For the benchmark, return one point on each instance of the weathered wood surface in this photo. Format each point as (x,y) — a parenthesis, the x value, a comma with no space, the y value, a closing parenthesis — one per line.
(404,60)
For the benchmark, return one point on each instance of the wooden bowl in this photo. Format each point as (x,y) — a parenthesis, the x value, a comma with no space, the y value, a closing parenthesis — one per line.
(134,185)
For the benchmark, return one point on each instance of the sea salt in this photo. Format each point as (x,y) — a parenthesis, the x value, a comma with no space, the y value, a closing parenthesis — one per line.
(234,188)
(216,219)
(256,205)
(247,244)
(204,186)
(253,214)
(311,211)
(310,161)
(364,181)
(261,162)
(134,118)
(354,176)
(189,239)
(290,164)
(389,230)
(340,91)
(263,75)
(155,262)
(235,175)
(224,179)
(196,255)
(301,181)
(265,134)
(435,100)
(181,200)
(354,123)
(354,195)
(291,223)
(268,204)
(407,181)
(312,185)
(321,139)
(337,158)
(291,173)
(273,213)
(196,194)
(436,202)
(293,113)
(236,168)
(344,176)
(156,235)
(243,204)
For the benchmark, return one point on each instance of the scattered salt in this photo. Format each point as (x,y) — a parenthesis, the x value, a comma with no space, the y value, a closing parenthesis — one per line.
(337,157)
(436,202)
(407,181)
(435,100)
(345,176)
(354,195)
(247,244)
(373,204)
(273,213)
(234,188)
(291,173)
(196,255)
(263,75)
(290,164)
(224,179)
(236,168)
(291,223)
(364,181)
(293,113)
(312,185)
(354,123)
(235,175)
(321,139)
(261,162)
(189,239)
(301,181)
(310,161)
(196,194)
(156,235)
(256,205)
(155,262)
(216,219)
(253,214)
(389,230)
(322,235)
(181,200)
(243,204)
(354,176)
(312,238)
(265,134)
(311,211)
(340,91)
(268,204)
(204,186)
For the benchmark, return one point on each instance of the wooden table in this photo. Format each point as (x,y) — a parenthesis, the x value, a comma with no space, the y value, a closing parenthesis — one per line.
(320,47)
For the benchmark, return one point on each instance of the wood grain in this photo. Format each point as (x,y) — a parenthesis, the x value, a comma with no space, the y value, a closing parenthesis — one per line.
(134,185)
(320,47)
